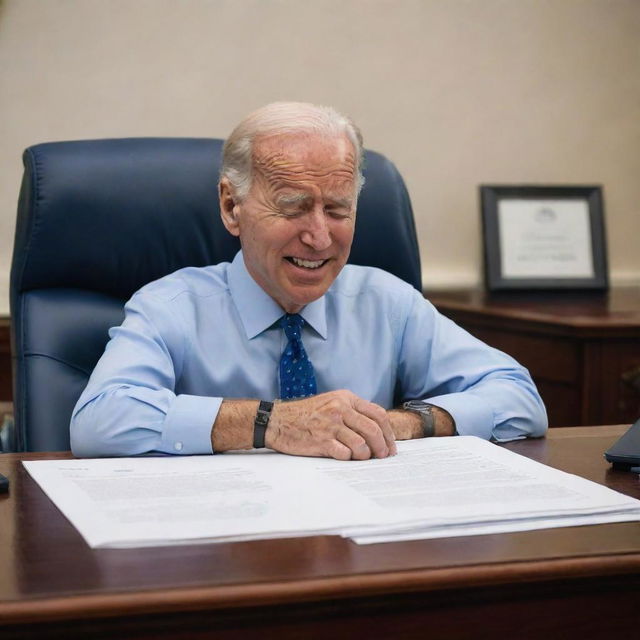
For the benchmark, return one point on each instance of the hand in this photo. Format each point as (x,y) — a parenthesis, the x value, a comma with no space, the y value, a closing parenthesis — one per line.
(338,424)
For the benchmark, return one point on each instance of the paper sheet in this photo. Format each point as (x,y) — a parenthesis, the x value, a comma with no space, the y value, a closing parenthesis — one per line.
(433,487)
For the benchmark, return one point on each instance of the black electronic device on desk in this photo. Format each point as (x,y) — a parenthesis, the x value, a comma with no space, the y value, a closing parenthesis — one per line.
(625,453)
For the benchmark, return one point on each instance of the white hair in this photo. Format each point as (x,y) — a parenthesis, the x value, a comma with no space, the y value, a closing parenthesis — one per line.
(279,118)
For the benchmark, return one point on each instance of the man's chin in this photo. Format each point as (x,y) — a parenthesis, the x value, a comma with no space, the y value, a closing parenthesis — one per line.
(301,286)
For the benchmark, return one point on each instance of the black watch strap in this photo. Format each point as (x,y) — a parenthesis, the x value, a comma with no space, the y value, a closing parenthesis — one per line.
(261,423)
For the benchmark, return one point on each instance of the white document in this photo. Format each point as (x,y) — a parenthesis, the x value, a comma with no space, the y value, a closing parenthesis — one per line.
(434,487)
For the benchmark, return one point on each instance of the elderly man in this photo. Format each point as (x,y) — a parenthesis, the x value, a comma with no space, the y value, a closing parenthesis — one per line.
(286,347)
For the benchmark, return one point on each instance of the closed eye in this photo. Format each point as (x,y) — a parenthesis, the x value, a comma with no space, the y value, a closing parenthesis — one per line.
(338,215)
(294,206)
(338,211)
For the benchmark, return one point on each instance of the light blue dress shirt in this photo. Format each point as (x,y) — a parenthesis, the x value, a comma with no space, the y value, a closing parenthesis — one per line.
(200,335)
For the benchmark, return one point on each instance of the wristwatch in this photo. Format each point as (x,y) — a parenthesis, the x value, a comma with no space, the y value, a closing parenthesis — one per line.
(425,411)
(261,423)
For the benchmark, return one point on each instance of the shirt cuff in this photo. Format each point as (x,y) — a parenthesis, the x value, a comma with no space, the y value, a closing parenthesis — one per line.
(472,415)
(187,426)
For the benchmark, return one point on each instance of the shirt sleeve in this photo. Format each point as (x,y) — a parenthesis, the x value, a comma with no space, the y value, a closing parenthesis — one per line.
(487,392)
(129,406)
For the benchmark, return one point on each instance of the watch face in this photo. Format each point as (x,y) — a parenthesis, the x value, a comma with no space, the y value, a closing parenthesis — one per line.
(416,405)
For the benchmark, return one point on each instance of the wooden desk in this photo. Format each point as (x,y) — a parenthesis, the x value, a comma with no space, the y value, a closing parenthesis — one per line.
(580,582)
(583,350)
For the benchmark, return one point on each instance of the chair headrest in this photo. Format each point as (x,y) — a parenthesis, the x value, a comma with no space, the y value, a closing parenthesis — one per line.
(112,215)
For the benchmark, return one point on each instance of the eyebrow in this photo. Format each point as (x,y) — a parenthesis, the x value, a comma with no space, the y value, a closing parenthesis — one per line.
(301,198)
(341,202)
(293,198)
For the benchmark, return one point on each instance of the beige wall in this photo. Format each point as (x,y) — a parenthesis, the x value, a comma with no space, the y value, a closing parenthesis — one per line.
(456,92)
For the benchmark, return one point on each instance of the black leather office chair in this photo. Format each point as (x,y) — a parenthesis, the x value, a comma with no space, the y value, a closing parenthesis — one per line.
(98,219)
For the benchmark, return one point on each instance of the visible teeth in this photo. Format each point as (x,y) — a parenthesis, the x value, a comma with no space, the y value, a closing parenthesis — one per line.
(309,264)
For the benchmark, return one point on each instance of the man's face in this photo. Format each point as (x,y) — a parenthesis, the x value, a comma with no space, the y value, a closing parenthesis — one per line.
(296,224)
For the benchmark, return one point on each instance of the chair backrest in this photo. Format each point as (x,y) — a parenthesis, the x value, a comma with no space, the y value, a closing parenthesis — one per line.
(97,219)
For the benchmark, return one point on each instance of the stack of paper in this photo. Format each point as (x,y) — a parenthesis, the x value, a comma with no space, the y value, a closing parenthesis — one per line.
(433,488)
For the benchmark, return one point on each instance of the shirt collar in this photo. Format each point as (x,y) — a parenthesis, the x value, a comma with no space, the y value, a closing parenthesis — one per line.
(258,311)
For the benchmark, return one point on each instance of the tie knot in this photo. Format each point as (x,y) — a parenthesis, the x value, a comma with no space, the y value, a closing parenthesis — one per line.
(292,324)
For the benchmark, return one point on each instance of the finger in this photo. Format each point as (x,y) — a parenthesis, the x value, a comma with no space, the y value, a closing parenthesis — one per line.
(338,451)
(369,430)
(378,415)
(357,445)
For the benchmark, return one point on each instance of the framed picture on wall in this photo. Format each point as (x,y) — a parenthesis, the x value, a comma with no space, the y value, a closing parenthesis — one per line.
(543,237)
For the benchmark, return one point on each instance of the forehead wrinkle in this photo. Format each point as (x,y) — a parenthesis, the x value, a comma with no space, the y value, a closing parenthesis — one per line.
(278,166)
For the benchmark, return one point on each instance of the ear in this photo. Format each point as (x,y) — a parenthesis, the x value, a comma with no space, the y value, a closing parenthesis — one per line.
(229,207)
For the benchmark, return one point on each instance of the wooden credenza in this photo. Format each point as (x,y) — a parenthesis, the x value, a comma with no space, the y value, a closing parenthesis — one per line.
(583,350)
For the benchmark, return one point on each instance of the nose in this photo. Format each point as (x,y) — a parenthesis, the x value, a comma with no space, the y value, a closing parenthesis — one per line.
(316,233)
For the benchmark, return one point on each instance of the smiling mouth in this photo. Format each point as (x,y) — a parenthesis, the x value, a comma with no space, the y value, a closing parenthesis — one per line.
(306,264)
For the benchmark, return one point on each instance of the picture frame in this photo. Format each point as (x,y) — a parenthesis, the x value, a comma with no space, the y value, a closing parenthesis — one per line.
(544,237)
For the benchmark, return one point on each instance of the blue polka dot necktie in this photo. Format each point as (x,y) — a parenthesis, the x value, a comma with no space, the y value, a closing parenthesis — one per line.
(297,379)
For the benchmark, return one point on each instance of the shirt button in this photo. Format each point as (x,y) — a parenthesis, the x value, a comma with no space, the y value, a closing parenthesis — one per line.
(178,446)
